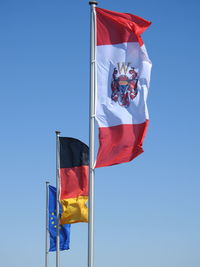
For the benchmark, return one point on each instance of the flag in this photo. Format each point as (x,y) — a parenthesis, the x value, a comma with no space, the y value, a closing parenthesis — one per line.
(64,229)
(123,76)
(74,161)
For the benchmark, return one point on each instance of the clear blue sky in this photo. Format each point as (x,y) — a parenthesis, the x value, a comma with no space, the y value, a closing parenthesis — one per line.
(147,212)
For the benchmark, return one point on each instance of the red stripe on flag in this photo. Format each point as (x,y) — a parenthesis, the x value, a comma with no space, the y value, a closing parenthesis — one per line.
(120,143)
(73,182)
(114,27)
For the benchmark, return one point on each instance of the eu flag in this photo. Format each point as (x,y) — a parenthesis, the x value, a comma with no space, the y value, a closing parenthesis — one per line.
(64,229)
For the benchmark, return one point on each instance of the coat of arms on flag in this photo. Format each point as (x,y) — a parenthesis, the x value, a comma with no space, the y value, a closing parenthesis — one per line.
(124,84)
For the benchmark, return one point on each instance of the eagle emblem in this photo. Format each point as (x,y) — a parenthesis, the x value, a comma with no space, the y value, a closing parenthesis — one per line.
(124,84)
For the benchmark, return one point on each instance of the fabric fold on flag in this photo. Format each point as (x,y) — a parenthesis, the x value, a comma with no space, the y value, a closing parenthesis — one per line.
(123,77)
(64,229)
(74,161)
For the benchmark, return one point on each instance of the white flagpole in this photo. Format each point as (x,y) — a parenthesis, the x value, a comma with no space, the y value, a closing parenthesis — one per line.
(46,224)
(91,134)
(57,198)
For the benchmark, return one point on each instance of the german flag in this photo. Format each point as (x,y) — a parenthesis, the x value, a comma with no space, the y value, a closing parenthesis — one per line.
(74,162)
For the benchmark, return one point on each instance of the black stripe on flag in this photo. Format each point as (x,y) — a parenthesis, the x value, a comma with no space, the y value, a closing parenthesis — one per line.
(73,153)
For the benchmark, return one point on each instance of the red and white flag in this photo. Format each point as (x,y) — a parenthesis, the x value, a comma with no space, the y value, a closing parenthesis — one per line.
(123,76)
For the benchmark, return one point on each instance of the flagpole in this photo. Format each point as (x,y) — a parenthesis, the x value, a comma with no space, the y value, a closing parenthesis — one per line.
(57,198)
(46,225)
(91,134)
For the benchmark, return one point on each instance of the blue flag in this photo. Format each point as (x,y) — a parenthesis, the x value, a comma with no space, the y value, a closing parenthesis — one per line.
(64,229)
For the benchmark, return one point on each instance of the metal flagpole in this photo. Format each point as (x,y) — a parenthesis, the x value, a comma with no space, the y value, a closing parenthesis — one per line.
(57,198)
(46,224)
(91,134)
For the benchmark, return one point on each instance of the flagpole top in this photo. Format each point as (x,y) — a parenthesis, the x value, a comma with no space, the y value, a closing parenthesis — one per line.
(93,3)
(57,132)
